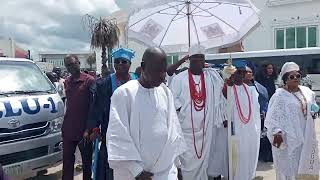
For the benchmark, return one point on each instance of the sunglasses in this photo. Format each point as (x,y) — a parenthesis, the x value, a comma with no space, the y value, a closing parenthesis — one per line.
(297,76)
(121,62)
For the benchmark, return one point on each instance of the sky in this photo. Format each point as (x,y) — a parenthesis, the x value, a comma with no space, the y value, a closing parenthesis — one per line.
(52,25)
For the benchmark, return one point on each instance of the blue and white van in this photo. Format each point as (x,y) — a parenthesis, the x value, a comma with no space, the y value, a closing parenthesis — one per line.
(31,116)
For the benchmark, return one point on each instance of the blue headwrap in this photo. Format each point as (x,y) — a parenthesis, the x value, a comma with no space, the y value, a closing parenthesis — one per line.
(252,67)
(240,64)
(123,53)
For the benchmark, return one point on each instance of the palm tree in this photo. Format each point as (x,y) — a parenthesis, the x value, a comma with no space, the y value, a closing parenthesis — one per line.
(104,34)
(91,59)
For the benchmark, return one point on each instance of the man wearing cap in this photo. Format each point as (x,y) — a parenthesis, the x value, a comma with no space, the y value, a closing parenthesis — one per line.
(105,87)
(199,102)
(246,125)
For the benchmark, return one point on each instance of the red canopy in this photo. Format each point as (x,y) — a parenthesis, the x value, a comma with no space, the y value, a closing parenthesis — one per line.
(20,53)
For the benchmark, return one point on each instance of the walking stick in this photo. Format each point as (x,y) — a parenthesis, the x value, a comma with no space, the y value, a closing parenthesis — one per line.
(228,71)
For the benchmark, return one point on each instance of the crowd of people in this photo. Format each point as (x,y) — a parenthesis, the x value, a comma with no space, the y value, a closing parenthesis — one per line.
(161,123)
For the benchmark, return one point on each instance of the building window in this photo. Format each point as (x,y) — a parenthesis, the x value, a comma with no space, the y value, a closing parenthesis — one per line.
(172,59)
(290,38)
(312,36)
(296,37)
(280,39)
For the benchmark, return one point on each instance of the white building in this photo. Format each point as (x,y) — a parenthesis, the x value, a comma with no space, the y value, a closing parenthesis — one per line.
(9,48)
(57,59)
(283,24)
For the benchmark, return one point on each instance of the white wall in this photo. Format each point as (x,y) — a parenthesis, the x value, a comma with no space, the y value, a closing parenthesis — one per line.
(58,60)
(7,47)
(98,60)
(285,15)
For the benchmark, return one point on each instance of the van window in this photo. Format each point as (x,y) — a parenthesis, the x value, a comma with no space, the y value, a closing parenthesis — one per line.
(23,77)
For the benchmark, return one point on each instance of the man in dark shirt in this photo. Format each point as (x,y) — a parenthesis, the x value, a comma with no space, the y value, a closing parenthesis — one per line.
(80,90)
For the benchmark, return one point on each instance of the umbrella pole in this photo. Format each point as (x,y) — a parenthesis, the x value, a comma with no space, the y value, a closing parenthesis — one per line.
(189,14)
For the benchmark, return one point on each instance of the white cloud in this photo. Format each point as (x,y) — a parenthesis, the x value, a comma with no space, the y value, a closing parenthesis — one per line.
(50,24)
(131,4)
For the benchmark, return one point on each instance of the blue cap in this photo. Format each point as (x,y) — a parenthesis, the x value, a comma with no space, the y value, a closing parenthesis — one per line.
(123,53)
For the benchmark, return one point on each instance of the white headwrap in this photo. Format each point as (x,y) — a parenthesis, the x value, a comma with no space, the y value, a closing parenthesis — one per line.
(288,67)
(196,49)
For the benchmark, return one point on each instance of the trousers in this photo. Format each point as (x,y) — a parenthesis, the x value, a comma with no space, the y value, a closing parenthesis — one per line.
(69,148)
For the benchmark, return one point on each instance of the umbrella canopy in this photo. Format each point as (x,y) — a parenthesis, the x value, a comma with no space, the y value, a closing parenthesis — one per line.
(176,25)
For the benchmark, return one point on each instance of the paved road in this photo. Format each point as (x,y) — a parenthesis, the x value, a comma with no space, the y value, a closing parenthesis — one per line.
(265,171)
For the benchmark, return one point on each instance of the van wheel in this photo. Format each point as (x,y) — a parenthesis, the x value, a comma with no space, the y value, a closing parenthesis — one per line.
(41,173)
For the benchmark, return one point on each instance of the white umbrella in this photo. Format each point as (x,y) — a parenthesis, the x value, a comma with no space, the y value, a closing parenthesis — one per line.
(176,25)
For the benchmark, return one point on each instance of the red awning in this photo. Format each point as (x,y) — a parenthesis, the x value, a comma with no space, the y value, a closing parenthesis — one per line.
(20,53)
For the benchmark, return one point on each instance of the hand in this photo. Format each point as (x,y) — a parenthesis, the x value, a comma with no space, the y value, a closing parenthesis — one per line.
(225,124)
(230,81)
(145,176)
(180,174)
(185,58)
(277,140)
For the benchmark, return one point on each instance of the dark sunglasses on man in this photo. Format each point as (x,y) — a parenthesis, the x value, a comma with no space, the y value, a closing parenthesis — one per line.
(297,76)
(121,61)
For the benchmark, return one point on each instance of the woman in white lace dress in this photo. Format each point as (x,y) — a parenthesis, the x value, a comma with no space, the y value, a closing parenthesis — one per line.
(291,128)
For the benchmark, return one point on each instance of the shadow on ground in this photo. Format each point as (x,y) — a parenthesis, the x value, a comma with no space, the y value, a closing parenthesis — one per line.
(55,176)
(265,166)
(258,178)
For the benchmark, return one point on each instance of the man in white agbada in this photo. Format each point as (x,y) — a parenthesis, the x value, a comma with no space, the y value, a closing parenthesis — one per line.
(144,137)
(245,115)
(291,128)
(218,160)
(199,101)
